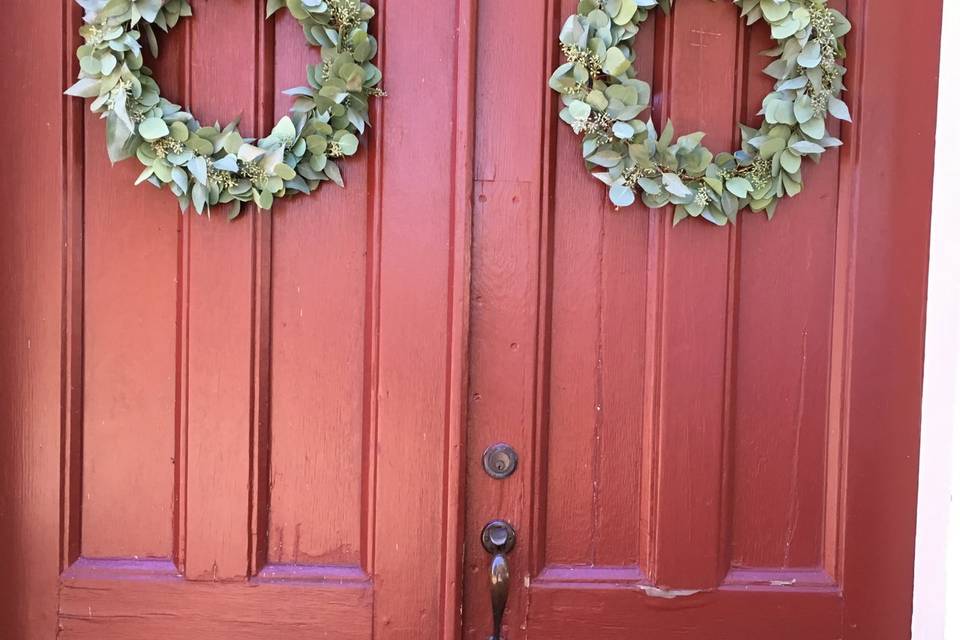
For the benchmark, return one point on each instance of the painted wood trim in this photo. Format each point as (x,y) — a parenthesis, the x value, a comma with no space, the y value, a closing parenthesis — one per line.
(103,599)
(889,202)
(458,367)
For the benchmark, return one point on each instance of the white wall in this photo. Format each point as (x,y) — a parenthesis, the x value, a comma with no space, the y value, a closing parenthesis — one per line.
(937,579)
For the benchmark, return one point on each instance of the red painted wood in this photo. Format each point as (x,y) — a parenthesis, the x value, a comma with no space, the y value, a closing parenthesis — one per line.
(503,343)
(116,600)
(888,196)
(420,283)
(257,429)
(318,368)
(130,313)
(32,271)
(248,429)
(218,281)
(787,285)
(727,614)
(692,314)
(681,397)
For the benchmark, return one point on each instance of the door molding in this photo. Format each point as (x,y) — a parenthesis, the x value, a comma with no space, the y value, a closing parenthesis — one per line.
(454,533)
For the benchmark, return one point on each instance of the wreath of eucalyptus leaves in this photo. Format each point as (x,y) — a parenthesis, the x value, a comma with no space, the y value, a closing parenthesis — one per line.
(212,165)
(602,99)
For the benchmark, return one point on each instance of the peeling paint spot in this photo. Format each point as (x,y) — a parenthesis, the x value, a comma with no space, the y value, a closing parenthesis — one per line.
(669,594)
(783,583)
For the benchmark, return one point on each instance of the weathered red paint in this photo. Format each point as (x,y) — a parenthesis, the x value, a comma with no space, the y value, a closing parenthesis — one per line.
(263,429)
(252,421)
(717,428)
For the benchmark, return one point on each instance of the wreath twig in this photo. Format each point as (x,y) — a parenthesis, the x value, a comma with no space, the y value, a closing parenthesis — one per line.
(602,100)
(211,165)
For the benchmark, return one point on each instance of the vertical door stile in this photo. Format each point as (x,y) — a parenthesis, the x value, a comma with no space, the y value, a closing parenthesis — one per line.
(454,518)
(221,339)
(419,342)
(507,224)
(891,200)
(692,346)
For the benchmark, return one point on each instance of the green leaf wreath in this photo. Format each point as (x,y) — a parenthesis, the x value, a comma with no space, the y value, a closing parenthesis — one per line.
(213,165)
(602,100)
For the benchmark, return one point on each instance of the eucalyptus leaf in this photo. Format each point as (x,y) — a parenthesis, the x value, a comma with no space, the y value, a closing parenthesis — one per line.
(153,129)
(602,99)
(203,165)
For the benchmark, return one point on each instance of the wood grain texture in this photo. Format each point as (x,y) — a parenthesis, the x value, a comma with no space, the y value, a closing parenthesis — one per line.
(318,370)
(129,354)
(733,613)
(719,362)
(219,286)
(453,539)
(889,207)
(686,495)
(506,272)
(120,600)
(786,297)
(717,430)
(420,332)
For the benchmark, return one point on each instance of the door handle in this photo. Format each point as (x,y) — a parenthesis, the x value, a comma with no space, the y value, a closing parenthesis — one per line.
(498,539)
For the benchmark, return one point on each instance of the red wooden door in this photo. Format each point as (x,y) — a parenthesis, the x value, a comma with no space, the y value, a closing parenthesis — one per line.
(262,429)
(717,429)
(252,434)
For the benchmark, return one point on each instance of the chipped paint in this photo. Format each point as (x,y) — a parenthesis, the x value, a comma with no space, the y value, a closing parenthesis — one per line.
(669,594)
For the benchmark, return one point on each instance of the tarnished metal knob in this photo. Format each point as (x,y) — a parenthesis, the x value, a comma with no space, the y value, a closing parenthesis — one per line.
(499,538)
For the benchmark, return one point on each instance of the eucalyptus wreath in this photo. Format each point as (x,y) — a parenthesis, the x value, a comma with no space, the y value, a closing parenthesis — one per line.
(212,165)
(602,100)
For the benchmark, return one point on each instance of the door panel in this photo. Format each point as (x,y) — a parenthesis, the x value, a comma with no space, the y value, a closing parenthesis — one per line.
(682,398)
(317,408)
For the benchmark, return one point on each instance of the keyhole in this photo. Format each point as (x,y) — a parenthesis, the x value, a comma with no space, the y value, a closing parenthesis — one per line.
(500,461)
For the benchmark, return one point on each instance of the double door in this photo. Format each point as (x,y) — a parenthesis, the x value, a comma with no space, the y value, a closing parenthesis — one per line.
(276,427)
